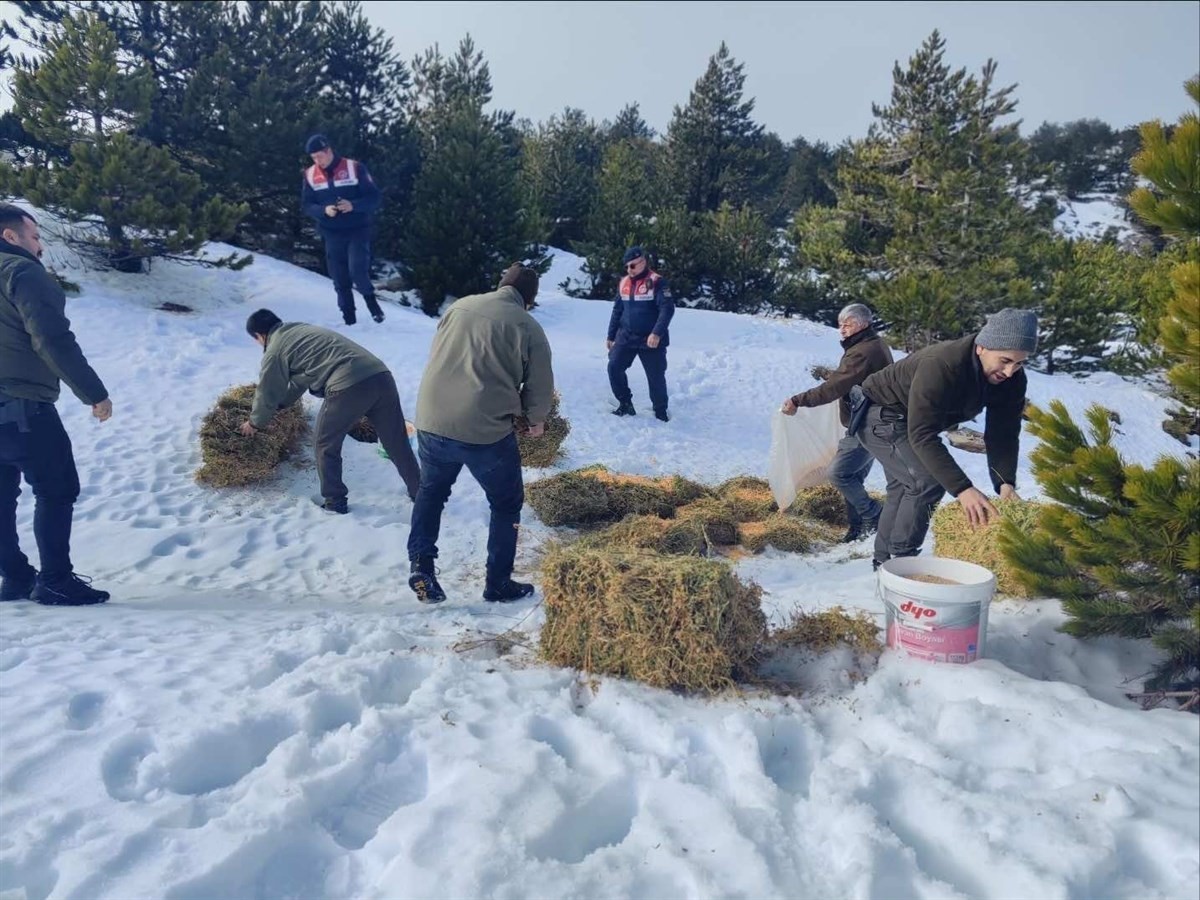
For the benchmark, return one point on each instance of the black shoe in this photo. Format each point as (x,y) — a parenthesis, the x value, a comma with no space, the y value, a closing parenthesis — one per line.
(661,415)
(373,308)
(876,563)
(869,526)
(18,587)
(507,591)
(349,316)
(424,583)
(341,507)
(853,533)
(625,409)
(71,590)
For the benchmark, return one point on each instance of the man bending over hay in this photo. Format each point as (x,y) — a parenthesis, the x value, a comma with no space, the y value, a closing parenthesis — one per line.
(353,384)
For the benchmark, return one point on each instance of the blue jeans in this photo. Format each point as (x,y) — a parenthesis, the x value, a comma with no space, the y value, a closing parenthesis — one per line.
(348,258)
(42,453)
(497,468)
(621,357)
(847,473)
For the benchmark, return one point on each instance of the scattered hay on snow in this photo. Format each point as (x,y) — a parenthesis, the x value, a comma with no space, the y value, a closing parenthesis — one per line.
(595,495)
(749,498)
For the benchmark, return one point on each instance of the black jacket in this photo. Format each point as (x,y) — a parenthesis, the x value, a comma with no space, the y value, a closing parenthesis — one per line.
(937,388)
(37,348)
(863,354)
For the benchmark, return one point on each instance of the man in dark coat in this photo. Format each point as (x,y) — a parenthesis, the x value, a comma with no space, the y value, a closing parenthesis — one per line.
(934,389)
(37,351)
(637,329)
(864,353)
(341,197)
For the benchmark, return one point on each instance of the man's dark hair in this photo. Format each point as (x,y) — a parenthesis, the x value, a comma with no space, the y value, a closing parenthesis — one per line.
(261,322)
(12,216)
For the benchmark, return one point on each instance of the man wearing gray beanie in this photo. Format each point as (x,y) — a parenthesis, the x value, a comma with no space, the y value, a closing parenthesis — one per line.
(911,402)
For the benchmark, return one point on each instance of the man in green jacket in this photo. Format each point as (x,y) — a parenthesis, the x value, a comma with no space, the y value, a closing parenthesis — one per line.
(913,401)
(489,365)
(37,351)
(353,383)
(864,353)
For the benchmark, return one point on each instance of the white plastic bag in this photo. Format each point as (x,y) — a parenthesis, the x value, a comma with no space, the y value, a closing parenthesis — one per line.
(802,447)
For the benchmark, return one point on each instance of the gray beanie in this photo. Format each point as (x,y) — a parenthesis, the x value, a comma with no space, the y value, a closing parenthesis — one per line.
(1010,329)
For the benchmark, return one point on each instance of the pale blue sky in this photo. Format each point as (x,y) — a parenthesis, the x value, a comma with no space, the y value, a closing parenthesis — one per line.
(815,68)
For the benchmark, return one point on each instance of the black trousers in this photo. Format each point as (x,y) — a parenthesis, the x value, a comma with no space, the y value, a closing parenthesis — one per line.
(38,448)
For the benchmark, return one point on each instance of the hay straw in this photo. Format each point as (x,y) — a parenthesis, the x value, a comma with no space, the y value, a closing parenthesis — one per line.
(594,495)
(232,460)
(364,432)
(954,538)
(544,451)
(749,499)
(827,629)
(823,502)
(670,622)
(785,533)
(714,519)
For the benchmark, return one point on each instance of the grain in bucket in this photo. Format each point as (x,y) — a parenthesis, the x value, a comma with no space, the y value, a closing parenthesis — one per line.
(937,608)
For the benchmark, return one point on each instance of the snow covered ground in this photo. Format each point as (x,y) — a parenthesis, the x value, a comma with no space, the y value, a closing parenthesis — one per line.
(1091,218)
(263,710)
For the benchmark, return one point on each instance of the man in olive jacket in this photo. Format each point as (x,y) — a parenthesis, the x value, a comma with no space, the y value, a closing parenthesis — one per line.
(489,365)
(353,383)
(864,353)
(37,351)
(930,391)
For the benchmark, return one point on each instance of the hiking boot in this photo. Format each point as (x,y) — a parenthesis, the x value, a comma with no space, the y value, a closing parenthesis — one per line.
(18,587)
(349,316)
(625,409)
(661,415)
(373,308)
(424,583)
(330,504)
(853,533)
(70,590)
(507,591)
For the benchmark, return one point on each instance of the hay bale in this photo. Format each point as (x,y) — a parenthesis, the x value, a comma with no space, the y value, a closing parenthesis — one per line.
(232,460)
(825,630)
(569,499)
(667,621)
(364,432)
(670,536)
(785,533)
(823,502)
(955,539)
(713,517)
(544,451)
(594,495)
(749,499)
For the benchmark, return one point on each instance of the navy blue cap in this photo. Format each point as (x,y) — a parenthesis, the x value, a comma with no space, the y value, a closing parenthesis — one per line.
(634,252)
(315,143)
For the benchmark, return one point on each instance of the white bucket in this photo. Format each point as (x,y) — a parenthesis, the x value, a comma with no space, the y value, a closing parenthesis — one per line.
(939,622)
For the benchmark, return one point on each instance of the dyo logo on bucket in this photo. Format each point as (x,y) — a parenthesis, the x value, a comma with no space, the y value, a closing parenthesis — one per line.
(918,612)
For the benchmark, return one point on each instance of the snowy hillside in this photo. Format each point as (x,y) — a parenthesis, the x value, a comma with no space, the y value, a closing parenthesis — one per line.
(263,710)
(1091,218)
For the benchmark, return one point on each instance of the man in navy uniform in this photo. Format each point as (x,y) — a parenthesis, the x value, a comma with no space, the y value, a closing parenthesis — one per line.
(637,329)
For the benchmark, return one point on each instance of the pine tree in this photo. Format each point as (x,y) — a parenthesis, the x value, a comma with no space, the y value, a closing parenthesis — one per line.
(1123,547)
(714,147)
(467,223)
(621,215)
(742,260)
(932,188)
(1093,289)
(560,172)
(629,126)
(86,96)
(1172,165)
